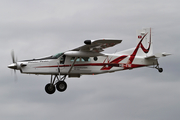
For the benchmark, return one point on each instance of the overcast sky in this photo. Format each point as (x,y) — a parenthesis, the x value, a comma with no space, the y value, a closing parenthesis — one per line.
(37,28)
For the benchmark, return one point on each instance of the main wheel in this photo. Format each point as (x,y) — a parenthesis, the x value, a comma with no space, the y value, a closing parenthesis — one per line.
(50,88)
(61,86)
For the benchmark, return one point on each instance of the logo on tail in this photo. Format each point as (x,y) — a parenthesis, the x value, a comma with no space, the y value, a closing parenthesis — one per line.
(140,45)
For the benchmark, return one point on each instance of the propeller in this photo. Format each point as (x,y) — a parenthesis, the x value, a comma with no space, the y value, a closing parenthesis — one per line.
(14,64)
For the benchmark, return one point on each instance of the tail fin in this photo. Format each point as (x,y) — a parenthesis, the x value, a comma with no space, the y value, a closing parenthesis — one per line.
(144,40)
(144,46)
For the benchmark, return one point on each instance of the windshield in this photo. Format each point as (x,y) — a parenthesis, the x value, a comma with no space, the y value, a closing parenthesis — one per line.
(57,55)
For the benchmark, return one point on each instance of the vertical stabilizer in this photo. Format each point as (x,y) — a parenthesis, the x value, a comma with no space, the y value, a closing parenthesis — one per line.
(144,45)
(144,41)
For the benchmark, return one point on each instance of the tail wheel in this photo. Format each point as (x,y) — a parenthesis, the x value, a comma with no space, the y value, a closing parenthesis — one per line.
(160,70)
(61,86)
(50,88)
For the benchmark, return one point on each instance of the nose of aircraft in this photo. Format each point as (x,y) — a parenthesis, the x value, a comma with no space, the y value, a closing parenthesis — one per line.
(12,66)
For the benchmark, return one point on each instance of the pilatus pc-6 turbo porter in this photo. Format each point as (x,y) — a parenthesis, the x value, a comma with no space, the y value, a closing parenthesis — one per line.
(89,60)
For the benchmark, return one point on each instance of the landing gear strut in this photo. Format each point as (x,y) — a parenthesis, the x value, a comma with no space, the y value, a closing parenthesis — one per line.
(56,83)
(158,68)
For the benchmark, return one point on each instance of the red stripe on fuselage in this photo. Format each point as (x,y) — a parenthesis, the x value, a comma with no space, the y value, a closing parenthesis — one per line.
(124,65)
(115,61)
(89,64)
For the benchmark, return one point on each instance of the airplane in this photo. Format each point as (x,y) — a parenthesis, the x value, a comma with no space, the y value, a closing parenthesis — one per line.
(89,59)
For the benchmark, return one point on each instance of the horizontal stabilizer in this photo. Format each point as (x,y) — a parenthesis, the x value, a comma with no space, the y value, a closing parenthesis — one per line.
(158,55)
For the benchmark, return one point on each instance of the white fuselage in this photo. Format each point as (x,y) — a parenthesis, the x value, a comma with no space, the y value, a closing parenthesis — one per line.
(84,65)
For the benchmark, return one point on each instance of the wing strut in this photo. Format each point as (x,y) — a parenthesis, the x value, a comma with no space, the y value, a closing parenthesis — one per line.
(72,65)
(59,71)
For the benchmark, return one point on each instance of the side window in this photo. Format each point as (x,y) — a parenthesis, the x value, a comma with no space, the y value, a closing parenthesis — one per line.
(73,58)
(85,59)
(95,58)
(78,59)
(62,59)
(81,59)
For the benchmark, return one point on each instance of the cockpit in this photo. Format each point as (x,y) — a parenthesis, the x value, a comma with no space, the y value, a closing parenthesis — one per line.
(57,55)
(62,59)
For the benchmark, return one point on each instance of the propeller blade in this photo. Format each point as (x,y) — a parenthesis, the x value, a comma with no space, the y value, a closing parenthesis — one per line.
(14,71)
(12,55)
(15,76)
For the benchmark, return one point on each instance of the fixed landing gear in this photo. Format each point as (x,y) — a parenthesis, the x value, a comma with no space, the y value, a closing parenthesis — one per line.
(50,88)
(61,86)
(56,83)
(158,68)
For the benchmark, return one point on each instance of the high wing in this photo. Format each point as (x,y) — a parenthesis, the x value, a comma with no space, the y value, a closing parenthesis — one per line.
(91,49)
(97,45)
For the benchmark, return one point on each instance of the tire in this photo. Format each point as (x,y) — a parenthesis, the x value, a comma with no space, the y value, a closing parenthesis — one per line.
(160,70)
(61,86)
(50,88)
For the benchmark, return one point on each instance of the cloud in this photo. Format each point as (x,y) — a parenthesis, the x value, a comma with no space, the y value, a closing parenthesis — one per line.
(40,28)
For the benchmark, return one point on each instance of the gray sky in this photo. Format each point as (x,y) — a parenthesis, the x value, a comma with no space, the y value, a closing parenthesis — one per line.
(36,28)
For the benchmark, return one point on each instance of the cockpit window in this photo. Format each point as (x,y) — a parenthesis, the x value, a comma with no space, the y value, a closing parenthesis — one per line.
(57,55)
